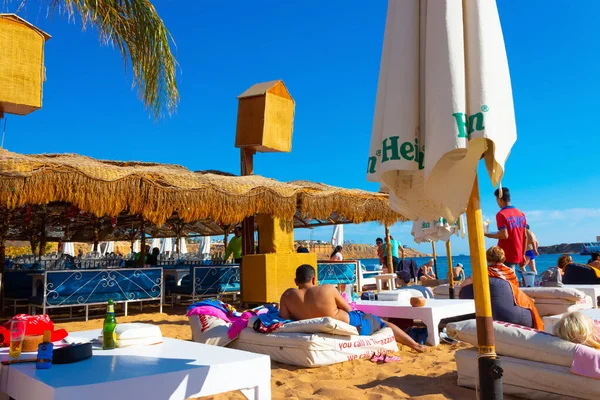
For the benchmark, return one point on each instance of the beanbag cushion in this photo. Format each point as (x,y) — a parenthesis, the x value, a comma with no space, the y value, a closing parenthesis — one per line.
(564,293)
(558,300)
(577,274)
(518,341)
(316,325)
(503,304)
(209,330)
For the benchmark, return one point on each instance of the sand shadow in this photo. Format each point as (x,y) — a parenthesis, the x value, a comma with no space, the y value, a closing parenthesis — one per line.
(416,385)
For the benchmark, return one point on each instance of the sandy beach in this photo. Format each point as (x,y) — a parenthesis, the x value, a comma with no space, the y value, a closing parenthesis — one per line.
(429,376)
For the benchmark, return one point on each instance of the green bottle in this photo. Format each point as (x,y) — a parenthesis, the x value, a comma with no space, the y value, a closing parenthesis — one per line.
(109,336)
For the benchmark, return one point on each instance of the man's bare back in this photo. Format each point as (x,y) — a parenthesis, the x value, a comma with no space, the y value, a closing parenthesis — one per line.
(314,302)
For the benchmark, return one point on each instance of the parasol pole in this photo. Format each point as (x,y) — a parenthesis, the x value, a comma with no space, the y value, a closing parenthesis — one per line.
(490,371)
(388,251)
(434,259)
(450,271)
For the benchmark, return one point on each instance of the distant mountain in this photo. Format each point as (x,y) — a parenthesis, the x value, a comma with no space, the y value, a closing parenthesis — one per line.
(569,248)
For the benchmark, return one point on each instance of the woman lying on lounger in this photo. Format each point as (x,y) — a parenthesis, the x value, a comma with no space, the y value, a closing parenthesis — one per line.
(578,328)
(311,301)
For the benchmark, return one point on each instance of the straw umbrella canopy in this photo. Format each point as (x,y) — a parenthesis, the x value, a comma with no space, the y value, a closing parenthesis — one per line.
(90,196)
(444,101)
(135,29)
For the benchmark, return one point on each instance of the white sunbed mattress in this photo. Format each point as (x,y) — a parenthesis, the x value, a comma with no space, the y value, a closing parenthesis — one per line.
(530,379)
(315,350)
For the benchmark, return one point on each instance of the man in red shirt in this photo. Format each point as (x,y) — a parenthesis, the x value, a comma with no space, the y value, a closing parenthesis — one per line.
(511,233)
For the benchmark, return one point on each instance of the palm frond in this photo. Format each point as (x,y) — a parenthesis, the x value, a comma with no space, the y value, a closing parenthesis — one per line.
(140,35)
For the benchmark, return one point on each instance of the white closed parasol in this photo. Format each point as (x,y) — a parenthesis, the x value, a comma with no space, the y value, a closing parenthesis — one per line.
(337,239)
(444,100)
(204,247)
(68,248)
(166,245)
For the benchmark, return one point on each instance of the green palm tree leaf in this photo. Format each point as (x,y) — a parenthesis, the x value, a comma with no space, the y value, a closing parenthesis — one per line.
(136,30)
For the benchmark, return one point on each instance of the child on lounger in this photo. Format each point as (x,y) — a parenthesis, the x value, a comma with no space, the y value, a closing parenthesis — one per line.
(578,328)
(311,301)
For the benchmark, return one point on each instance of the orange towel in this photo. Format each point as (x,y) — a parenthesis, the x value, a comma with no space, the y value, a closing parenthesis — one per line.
(501,271)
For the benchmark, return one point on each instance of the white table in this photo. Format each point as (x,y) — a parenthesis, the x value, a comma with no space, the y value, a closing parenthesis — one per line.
(431,314)
(390,279)
(551,320)
(174,370)
(591,290)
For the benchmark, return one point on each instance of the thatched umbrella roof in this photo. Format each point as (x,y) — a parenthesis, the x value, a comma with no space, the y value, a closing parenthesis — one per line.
(166,195)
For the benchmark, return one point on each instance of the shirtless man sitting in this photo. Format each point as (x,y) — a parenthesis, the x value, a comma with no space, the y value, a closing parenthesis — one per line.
(311,301)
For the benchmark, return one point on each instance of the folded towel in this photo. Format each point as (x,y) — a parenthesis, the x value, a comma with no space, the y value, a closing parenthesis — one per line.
(586,362)
(272,316)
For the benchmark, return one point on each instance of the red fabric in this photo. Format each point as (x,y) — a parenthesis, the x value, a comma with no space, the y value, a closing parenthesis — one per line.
(514,221)
(34,325)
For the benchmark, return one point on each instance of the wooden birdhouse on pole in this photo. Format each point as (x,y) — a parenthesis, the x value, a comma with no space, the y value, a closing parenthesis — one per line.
(22,71)
(265,118)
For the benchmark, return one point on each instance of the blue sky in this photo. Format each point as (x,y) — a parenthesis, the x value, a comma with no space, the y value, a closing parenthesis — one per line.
(328,54)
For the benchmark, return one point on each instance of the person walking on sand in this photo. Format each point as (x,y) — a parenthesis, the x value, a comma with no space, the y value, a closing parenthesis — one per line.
(312,301)
(531,251)
(511,234)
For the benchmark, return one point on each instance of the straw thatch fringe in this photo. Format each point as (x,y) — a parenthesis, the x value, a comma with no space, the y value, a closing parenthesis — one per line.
(156,191)
(318,201)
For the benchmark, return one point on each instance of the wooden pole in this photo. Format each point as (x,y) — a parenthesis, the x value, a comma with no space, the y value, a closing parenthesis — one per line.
(434,259)
(142,260)
(3,232)
(388,251)
(490,372)
(43,235)
(2,272)
(96,235)
(450,270)
(247,168)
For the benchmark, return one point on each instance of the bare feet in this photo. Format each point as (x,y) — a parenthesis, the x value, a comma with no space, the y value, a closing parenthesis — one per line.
(419,348)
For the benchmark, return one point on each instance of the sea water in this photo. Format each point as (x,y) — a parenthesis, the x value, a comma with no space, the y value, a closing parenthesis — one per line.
(543,262)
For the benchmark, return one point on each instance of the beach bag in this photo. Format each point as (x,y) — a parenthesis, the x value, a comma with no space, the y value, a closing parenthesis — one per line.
(551,277)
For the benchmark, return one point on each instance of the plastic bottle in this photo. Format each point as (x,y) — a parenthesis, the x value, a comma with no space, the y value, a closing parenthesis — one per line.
(44,355)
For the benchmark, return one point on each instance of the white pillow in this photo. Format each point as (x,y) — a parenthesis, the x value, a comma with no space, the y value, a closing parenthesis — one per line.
(519,342)
(545,307)
(554,293)
(315,325)
(209,330)
(401,295)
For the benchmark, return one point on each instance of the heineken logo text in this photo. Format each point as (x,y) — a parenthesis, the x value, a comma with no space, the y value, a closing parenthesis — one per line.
(392,149)
(468,124)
